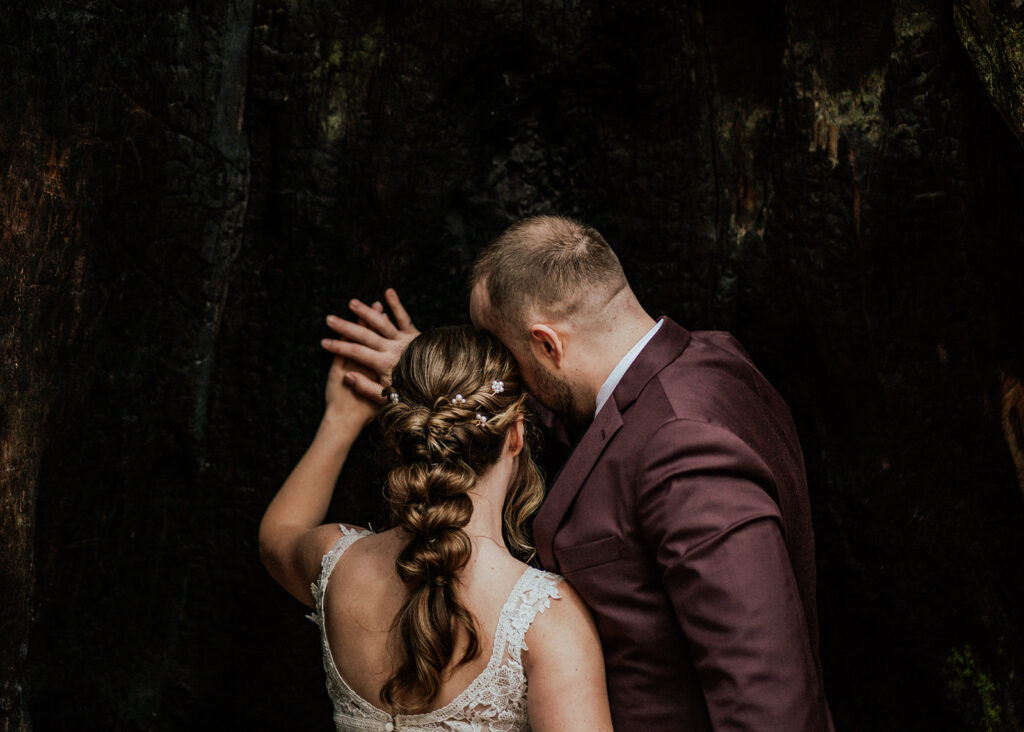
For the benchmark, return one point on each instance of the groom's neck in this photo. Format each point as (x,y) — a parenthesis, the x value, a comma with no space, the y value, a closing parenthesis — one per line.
(611,334)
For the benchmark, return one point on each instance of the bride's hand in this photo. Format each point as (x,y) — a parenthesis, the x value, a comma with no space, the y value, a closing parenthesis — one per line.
(374,342)
(342,400)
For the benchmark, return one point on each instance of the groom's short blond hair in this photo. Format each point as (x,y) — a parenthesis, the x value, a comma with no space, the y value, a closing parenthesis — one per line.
(548,266)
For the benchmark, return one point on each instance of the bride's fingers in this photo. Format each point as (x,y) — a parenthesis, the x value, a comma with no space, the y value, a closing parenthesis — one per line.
(376,306)
(402,318)
(356,332)
(364,386)
(359,354)
(336,374)
(377,320)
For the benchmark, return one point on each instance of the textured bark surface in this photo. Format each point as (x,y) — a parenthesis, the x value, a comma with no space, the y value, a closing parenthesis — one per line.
(993,34)
(189,187)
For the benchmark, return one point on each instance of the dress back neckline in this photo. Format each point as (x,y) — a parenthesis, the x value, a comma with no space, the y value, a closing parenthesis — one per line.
(496,695)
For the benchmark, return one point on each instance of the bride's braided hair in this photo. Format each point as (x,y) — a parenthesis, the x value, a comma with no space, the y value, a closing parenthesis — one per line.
(454,395)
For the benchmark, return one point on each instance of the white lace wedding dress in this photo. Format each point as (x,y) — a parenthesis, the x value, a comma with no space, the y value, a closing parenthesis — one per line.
(495,701)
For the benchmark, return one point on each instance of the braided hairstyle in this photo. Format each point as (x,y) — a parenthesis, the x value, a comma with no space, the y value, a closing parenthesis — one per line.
(444,424)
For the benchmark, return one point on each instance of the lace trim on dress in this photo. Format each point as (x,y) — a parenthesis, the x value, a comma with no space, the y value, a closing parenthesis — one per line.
(495,701)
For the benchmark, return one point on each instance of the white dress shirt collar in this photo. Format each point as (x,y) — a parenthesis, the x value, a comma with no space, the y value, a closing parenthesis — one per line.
(622,366)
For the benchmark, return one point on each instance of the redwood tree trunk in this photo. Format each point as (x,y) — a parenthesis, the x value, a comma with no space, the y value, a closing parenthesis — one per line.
(189,187)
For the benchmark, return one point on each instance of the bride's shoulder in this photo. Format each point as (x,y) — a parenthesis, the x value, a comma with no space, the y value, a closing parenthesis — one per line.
(562,616)
(541,587)
(367,555)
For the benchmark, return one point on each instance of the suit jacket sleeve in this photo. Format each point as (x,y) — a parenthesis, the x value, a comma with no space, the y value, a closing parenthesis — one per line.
(706,510)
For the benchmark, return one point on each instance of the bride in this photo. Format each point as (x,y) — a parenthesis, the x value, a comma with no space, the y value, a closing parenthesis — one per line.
(434,624)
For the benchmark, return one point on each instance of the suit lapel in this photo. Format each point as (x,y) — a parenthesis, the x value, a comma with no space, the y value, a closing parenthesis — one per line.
(666,345)
(570,479)
(664,348)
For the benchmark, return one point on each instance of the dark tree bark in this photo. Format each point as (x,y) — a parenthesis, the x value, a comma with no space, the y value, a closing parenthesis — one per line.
(189,188)
(992,31)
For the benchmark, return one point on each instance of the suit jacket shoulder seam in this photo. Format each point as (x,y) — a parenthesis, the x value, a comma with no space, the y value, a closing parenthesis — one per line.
(718,426)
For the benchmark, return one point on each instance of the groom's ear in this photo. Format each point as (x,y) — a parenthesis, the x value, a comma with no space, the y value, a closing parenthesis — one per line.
(517,436)
(547,345)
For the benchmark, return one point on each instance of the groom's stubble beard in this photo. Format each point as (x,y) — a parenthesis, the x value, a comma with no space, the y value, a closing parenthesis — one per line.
(557,394)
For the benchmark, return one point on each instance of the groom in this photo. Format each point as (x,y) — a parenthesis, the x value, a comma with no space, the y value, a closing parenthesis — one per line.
(681,516)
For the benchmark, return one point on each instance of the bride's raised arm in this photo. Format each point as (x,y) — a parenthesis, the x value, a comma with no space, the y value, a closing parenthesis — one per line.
(291,539)
(564,667)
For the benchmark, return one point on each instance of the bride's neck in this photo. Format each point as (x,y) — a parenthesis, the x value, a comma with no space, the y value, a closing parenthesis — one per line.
(488,498)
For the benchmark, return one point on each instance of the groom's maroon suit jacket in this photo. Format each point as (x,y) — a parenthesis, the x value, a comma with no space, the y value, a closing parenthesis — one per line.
(682,519)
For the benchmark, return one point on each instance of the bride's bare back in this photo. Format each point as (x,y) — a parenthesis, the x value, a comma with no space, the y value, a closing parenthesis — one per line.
(364,596)
(488,693)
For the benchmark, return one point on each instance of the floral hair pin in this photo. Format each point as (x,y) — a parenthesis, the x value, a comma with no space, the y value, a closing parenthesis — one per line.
(459,400)
(497,386)
(481,419)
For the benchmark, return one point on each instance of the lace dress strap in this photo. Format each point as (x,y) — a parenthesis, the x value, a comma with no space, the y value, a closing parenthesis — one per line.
(348,537)
(536,591)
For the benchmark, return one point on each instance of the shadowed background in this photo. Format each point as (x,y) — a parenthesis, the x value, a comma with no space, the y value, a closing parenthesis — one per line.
(189,187)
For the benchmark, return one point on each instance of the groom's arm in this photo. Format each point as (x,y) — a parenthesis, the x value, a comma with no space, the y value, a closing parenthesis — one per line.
(706,509)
